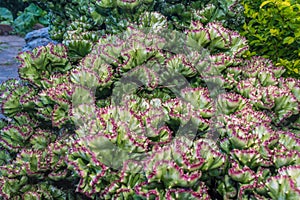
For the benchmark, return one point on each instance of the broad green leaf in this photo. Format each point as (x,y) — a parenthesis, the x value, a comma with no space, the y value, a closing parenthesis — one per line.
(285,4)
(274,32)
(288,40)
(297,33)
(5,15)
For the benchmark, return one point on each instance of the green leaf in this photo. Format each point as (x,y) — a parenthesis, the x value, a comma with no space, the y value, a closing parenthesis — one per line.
(288,40)
(34,10)
(44,20)
(297,33)
(265,3)
(5,15)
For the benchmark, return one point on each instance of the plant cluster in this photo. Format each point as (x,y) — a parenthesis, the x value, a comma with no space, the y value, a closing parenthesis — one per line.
(14,6)
(25,20)
(79,23)
(6,16)
(151,113)
(272,29)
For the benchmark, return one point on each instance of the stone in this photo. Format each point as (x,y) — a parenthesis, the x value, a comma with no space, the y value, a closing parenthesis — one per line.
(10,46)
(37,38)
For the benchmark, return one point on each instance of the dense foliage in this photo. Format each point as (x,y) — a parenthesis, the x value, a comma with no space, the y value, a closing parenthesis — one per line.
(272,28)
(25,20)
(79,23)
(14,6)
(151,113)
(6,16)
(148,100)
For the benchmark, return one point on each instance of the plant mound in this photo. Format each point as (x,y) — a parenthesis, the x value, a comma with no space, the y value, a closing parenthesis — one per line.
(78,23)
(151,113)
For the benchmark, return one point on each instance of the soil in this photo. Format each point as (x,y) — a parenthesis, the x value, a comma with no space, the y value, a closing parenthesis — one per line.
(10,46)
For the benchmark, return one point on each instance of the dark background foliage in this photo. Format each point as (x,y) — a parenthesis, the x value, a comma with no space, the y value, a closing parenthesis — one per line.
(14,6)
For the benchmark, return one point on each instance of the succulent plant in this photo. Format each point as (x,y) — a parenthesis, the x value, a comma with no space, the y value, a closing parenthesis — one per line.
(79,24)
(34,160)
(139,119)
(42,63)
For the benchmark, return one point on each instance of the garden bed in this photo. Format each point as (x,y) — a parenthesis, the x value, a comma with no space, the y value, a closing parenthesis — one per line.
(149,100)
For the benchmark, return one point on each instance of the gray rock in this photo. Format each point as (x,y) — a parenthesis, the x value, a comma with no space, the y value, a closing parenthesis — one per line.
(37,38)
(40,33)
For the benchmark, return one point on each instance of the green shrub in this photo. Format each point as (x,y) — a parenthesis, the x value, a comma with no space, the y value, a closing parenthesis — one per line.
(25,20)
(272,28)
(14,6)
(28,18)
(6,16)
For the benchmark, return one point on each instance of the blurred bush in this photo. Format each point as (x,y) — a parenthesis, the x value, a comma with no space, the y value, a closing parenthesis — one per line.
(273,30)
(31,16)
(24,20)
(14,6)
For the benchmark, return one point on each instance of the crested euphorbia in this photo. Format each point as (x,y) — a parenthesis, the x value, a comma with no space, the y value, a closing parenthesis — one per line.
(262,85)
(136,120)
(37,157)
(42,62)
(79,24)
(16,97)
(59,100)
(255,148)
(172,168)
(216,38)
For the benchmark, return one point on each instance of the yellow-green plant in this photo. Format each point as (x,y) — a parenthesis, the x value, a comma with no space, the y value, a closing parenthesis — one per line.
(273,30)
